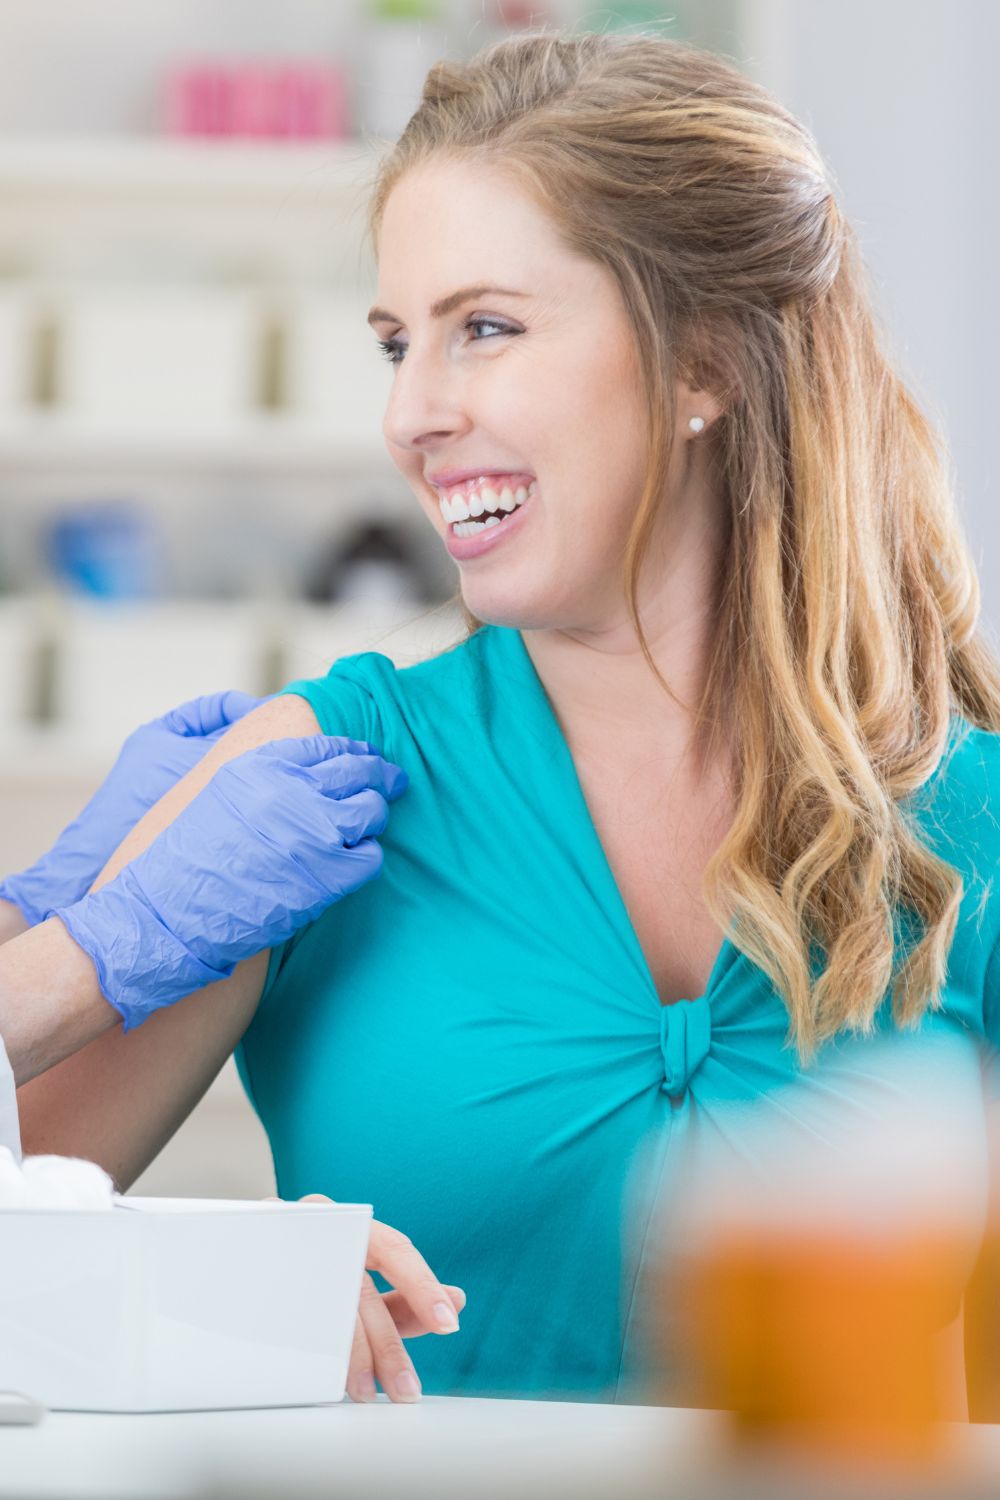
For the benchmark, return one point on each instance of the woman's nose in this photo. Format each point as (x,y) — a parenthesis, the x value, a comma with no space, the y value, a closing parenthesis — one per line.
(424,405)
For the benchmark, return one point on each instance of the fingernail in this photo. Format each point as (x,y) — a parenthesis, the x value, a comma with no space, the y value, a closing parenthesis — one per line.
(366,1386)
(444,1316)
(407,1386)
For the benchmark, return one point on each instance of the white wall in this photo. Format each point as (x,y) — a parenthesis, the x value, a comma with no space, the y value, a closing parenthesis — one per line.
(902,98)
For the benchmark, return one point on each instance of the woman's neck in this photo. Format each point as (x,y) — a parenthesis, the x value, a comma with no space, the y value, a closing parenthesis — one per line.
(604,693)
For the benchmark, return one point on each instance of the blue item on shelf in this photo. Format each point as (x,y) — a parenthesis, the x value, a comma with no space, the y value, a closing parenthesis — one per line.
(107,550)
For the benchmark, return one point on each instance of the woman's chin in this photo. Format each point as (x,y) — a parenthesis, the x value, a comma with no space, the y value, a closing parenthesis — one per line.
(498,609)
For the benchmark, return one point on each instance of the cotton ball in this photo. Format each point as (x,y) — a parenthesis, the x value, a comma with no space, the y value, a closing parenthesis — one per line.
(65,1182)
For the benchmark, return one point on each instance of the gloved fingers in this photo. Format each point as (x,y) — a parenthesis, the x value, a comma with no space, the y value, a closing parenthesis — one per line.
(209,714)
(310,749)
(357,864)
(343,775)
(332,760)
(363,815)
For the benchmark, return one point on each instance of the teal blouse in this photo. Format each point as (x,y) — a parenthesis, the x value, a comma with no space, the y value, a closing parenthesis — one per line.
(473,1041)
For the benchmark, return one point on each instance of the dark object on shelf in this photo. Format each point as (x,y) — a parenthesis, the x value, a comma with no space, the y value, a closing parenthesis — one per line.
(376,563)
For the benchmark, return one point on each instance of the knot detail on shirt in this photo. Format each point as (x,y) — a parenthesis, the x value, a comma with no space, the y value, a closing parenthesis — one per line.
(685,1037)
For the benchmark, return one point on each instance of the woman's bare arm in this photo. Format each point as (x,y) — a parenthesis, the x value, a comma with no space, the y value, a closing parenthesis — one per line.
(120,1098)
(12,923)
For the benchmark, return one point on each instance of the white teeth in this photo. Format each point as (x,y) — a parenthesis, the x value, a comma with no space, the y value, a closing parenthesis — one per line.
(461,507)
(457,509)
(491,521)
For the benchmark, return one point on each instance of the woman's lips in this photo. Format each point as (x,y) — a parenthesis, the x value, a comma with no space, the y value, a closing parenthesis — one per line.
(449,478)
(464,548)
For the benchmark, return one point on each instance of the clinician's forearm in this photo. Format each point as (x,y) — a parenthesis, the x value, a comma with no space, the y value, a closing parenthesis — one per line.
(12,922)
(120,1098)
(50,1001)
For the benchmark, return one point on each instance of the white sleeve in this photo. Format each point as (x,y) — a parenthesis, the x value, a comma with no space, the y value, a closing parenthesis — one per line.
(10,1130)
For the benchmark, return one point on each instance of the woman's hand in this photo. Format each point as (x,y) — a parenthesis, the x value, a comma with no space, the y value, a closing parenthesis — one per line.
(153,758)
(418,1304)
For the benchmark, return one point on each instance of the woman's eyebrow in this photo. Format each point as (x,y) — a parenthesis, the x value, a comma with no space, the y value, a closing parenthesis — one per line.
(447,304)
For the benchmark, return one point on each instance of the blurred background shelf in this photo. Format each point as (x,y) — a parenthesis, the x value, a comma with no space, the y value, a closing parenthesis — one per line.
(33,166)
(81,675)
(262,445)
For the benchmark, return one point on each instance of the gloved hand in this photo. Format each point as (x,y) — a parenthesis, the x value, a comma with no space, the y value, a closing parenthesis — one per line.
(274,838)
(152,759)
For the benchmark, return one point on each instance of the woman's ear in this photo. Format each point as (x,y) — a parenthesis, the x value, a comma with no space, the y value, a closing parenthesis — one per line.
(697,411)
(696,404)
(707,383)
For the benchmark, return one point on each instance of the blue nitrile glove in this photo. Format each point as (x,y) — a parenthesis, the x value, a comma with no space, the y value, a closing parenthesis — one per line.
(276,837)
(152,759)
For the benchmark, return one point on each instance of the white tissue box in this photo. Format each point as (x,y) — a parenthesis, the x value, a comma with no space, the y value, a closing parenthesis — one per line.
(180,1304)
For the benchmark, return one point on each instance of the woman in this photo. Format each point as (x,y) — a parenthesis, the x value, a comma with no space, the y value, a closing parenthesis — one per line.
(722,627)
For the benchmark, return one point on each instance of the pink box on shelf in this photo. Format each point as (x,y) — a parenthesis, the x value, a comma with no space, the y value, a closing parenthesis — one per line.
(258,101)
(197,101)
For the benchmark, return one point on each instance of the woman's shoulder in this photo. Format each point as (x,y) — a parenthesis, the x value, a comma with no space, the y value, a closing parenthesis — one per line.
(366,695)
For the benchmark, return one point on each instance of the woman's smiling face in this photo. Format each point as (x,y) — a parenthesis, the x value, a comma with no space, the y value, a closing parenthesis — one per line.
(536,382)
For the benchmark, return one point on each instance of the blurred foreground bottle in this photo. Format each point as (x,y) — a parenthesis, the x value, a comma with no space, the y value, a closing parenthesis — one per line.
(982,1296)
(825,1339)
(810,1273)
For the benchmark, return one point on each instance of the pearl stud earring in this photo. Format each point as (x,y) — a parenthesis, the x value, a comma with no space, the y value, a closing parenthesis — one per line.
(696,424)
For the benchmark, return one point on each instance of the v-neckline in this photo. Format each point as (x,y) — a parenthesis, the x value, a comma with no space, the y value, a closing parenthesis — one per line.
(547,714)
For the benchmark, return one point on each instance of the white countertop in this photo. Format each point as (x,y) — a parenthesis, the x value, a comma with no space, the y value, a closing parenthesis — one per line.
(440,1448)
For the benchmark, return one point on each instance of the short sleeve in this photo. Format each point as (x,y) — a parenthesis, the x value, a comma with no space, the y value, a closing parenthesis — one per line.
(346,702)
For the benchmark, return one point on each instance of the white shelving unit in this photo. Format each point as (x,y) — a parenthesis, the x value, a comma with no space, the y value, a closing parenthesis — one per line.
(35,165)
(263,445)
(281,226)
(207,192)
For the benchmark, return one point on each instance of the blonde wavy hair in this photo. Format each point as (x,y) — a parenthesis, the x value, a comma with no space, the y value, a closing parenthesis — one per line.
(848,599)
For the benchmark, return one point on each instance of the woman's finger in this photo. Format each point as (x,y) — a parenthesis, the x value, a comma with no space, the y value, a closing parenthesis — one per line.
(418,1304)
(361,1368)
(360,1384)
(394,1256)
(408,1324)
(393,1366)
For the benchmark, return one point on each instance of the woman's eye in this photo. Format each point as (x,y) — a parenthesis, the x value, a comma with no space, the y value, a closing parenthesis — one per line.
(490,323)
(393,350)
